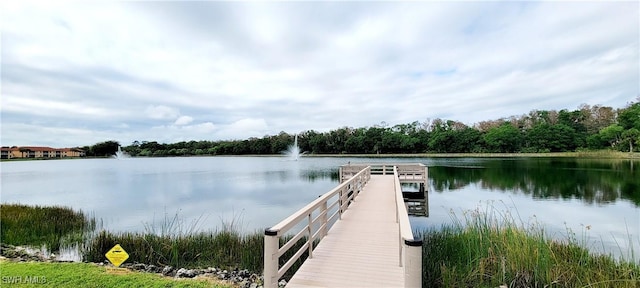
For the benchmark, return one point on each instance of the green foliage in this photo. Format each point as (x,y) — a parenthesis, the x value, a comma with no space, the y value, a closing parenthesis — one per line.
(87,275)
(488,248)
(612,134)
(630,117)
(226,249)
(539,131)
(505,139)
(552,138)
(632,137)
(37,226)
(102,149)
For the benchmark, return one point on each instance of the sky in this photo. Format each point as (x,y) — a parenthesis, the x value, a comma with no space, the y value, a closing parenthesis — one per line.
(79,73)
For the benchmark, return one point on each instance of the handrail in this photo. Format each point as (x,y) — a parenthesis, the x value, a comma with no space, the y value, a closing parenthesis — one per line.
(408,172)
(346,191)
(410,249)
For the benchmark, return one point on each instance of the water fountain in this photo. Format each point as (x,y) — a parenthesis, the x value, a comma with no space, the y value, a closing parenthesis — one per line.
(120,154)
(294,151)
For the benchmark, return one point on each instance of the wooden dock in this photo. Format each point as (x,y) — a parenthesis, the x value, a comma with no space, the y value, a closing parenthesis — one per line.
(366,239)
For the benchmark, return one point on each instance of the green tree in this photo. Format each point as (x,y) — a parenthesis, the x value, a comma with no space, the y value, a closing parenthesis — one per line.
(104,149)
(505,138)
(576,120)
(630,117)
(455,141)
(632,136)
(612,134)
(551,138)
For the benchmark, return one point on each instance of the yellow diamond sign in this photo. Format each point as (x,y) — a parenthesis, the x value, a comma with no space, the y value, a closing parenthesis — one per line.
(117,255)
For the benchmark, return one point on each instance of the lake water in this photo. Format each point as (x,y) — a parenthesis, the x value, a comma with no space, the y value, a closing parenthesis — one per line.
(598,200)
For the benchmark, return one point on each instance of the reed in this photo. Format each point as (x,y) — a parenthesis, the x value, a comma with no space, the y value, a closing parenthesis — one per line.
(172,242)
(223,249)
(489,248)
(37,225)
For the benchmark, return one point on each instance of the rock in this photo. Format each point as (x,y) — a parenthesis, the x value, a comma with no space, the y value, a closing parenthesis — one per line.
(185,273)
(167,271)
(153,269)
(139,267)
(253,285)
(243,273)
(282,283)
(210,270)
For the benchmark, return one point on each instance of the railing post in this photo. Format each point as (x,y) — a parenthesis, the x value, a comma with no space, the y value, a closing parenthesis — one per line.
(426,177)
(310,229)
(323,219)
(412,263)
(271,246)
(340,204)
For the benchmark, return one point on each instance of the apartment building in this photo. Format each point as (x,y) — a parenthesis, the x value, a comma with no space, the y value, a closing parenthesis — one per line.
(39,152)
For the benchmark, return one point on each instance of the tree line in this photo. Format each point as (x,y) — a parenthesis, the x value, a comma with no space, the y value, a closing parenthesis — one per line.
(588,127)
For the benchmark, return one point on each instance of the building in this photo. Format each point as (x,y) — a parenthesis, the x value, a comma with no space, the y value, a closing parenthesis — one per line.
(39,152)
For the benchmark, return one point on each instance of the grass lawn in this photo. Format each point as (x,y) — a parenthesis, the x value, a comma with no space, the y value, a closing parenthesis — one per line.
(36,274)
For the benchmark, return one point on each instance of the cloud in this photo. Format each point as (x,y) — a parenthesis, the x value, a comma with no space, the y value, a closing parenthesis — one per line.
(250,68)
(162,112)
(243,129)
(183,120)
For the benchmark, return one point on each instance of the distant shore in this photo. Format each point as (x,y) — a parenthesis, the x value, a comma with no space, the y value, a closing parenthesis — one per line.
(604,154)
(585,154)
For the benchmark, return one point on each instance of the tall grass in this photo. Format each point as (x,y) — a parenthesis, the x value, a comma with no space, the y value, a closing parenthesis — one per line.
(488,248)
(173,243)
(170,242)
(226,249)
(37,225)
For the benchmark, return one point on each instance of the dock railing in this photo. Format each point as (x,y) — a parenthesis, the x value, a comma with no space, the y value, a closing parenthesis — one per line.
(410,249)
(318,222)
(408,172)
(413,173)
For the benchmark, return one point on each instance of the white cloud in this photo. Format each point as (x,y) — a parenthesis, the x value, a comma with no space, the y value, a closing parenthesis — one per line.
(244,128)
(162,112)
(309,65)
(183,120)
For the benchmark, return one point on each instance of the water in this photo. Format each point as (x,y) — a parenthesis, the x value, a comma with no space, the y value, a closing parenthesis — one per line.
(293,152)
(598,200)
(120,154)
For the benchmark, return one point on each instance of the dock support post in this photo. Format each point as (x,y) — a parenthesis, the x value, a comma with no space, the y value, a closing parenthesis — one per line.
(271,246)
(412,263)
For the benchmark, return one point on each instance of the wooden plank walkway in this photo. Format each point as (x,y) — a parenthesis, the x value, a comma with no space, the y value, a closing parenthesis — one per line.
(362,249)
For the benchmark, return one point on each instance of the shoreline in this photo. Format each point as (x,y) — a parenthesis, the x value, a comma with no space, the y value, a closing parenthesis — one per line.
(603,154)
(586,155)
(453,255)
